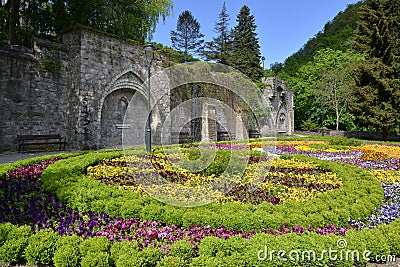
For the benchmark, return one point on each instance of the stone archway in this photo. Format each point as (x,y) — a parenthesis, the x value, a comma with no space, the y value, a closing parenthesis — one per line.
(112,116)
(114,104)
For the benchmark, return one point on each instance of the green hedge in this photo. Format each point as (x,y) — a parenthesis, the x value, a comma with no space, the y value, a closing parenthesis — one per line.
(357,198)
(261,250)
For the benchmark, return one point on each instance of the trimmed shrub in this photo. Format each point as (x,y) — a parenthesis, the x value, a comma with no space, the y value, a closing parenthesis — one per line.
(377,249)
(95,245)
(96,259)
(182,249)
(210,246)
(67,252)
(5,228)
(357,197)
(344,141)
(172,261)
(204,261)
(67,256)
(148,257)
(13,248)
(123,249)
(41,248)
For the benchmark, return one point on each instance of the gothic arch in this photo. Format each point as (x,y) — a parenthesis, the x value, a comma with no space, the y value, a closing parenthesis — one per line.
(126,80)
(114,102)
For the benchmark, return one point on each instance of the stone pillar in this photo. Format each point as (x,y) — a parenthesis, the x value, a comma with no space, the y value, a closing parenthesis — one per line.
(240,129)
(209,124)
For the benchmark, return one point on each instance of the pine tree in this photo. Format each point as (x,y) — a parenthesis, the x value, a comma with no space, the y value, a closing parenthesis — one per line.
(187,38)
(220,48)
(246,49)
(377,90)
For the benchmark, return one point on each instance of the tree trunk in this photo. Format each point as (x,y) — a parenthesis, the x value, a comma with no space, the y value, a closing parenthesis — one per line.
(384,133)
(337,122)
(12,24)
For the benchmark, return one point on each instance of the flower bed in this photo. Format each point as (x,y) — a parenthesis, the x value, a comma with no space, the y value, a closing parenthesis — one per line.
(279,180)
(230,233)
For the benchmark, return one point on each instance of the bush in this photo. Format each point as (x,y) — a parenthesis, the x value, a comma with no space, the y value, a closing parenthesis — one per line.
(309,125)
(41,247)
(67,252)
(95,245)
(17,239)
(182,249)
(69,240)
(5,228)
(123,249)
(148,257)
(67,256)
(172,261)
(344,141)
(210,246)
(204,261)
(96,259)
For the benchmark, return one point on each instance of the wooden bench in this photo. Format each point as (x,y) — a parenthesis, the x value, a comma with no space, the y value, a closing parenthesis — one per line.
(40,139)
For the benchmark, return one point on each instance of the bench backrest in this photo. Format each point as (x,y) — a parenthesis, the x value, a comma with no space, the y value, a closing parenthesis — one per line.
(38,136)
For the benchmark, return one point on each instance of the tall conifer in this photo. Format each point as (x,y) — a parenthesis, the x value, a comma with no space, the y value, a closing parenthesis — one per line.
(246,49)
(377,90)
(220,48)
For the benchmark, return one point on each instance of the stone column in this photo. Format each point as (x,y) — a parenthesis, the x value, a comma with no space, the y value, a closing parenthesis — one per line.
(240,129)
(209,124)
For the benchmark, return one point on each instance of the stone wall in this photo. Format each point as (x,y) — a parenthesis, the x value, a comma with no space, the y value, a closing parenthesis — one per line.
(33,99)
(95,69)
(81,88)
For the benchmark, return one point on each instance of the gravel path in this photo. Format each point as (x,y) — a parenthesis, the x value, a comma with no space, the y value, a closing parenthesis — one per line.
(8,157)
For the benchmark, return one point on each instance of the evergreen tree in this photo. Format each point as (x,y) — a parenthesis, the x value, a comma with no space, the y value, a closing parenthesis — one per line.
(220,48)
(187,38)
(377,90)
(246,49)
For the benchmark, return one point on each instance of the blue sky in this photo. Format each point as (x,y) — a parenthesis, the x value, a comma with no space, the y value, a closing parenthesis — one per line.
(283,26)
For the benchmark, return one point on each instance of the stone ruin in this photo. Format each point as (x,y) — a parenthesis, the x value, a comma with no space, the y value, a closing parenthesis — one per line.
(82,87)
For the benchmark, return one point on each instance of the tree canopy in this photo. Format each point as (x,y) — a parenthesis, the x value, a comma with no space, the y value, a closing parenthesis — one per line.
(134,19)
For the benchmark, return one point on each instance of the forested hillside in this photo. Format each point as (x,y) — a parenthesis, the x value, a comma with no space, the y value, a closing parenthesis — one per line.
(337,34)
(346,77)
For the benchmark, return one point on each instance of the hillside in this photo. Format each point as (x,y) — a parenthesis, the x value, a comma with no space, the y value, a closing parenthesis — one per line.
(337,34)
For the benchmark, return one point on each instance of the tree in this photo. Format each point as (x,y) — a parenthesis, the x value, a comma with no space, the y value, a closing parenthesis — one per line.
(334,69)
(13,20)
(187,38)
(377,89)
(323,87)
(246,49)
(220,48)
(134,19)
(3,25)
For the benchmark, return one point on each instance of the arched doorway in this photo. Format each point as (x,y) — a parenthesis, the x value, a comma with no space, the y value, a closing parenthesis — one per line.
(112,116)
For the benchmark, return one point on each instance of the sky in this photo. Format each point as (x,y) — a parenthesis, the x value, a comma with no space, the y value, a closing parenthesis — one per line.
(283,26)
